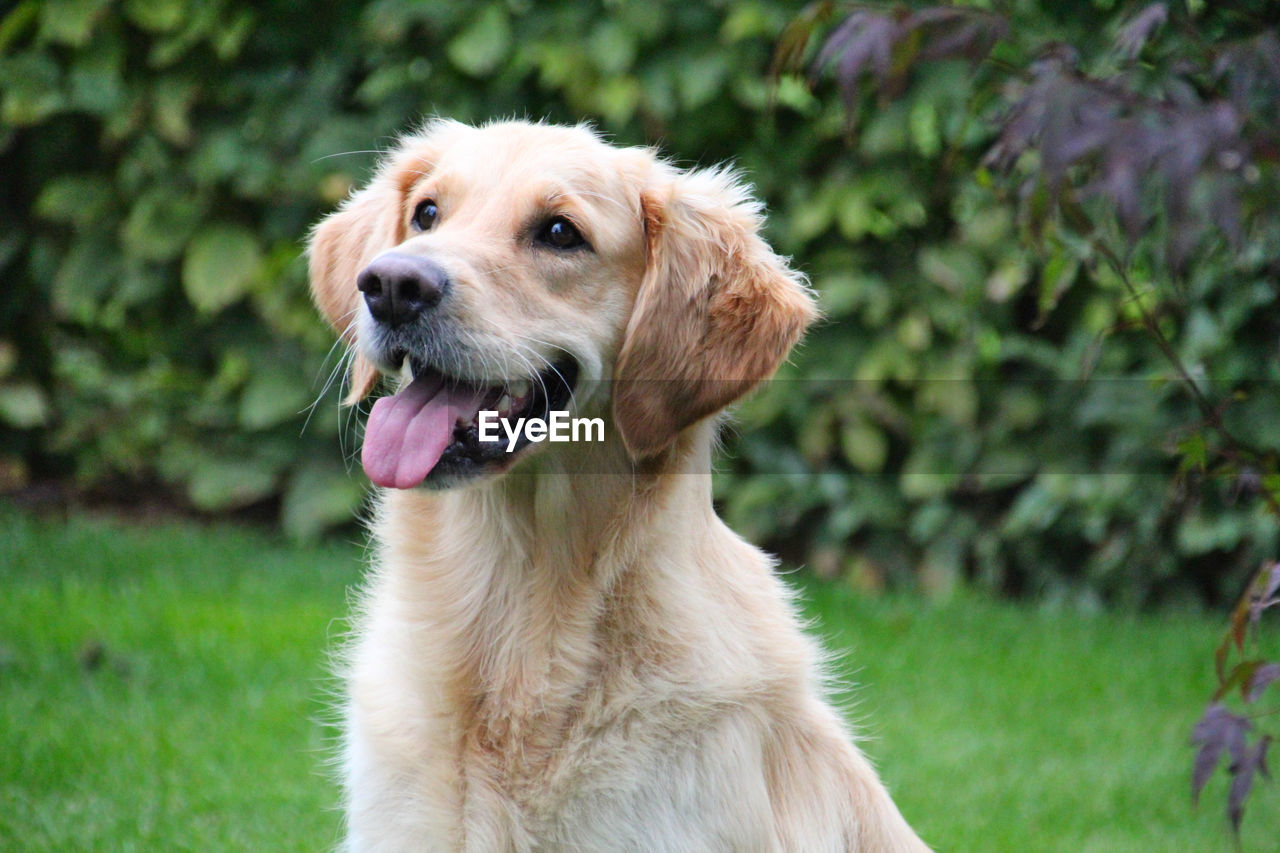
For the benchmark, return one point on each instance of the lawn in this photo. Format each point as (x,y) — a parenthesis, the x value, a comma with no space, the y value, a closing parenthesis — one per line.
(164,686)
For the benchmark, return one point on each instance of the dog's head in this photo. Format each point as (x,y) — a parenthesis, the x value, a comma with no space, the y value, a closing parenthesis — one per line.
(529,268)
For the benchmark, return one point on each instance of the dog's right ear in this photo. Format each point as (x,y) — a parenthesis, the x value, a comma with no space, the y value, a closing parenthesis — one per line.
(372,221)
(343,244)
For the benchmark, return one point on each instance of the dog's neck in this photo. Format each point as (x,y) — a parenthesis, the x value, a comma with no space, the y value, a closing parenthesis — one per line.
(508,581)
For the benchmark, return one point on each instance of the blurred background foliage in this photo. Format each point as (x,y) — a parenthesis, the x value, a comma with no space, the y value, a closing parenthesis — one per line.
(974,408)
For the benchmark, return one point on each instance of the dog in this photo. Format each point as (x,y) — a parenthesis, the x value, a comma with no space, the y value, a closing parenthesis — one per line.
(561,647)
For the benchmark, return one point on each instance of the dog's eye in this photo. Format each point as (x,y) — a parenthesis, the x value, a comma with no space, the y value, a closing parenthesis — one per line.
(560,233)
(424,215)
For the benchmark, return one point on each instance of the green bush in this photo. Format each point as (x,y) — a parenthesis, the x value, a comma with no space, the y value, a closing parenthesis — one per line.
(164,160)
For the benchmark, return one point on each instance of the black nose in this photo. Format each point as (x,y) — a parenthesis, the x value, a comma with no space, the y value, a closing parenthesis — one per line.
(399,288)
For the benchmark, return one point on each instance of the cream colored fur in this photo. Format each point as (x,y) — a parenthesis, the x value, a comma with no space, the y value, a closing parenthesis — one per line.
(578,655)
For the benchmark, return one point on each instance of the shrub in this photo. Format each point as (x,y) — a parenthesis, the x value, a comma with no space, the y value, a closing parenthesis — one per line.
(169,157)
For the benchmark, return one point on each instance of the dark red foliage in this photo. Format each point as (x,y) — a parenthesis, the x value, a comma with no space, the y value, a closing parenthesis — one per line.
(1243,771)
(1218,731)
(1134,35)
(1221,730)
(1101,138)
(884,45)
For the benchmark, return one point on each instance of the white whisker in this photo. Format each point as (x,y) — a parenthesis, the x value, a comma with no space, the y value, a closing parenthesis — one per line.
(347,154)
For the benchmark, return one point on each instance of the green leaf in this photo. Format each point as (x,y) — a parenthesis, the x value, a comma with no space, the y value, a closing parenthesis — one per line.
(954,268)
(617,99)
(1239,676)
(479,48)
(1034,511)
(986,226)
(202,22)
(1271,485)
(701,79)
(865,446)
(748,20)
(812,218)
(915,332)
(157,16)
(1057,276)
(83,279)
(612,47)
(923,124)
(95,82)
(32,89)
(841,294)
(1201,533)
(1254,415)
(172,102)
(220,264)
(229,38)
(1194,452)
(160,224)
(1008,278)
(80,200)
(319,496)
(856,214)
(791,92)
(71,22)
(23,405)
(957,399)
(17,22)
(222,483)
(274,395)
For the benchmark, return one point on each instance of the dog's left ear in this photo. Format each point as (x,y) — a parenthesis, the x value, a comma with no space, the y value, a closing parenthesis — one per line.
(715,315)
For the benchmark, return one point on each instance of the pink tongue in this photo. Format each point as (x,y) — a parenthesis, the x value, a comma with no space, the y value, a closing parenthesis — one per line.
(407,433)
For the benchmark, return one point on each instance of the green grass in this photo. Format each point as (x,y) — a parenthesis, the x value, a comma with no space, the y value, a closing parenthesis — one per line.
(1006,728)
(164,687)
(200,727)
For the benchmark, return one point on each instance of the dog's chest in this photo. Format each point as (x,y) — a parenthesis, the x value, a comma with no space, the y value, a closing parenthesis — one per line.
(526,791)
(568,770)
(524,783)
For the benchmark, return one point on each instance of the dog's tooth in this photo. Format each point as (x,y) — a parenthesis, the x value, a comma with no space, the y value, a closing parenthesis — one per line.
(519,388)
(504,405)
(467,420)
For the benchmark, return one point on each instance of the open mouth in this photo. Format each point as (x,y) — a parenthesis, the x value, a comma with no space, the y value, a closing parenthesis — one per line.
(427,433)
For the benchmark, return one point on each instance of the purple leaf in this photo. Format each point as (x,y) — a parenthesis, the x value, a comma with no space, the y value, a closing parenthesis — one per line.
(837,43)
(1250,67)
(863,43)
(1020,131)
(1263,677)
(1184,236)
(1227,215)
(963,33)
(1121,182)
(1034,108)
(1134,35)
(1253,760)
(1267,586)
(1218,731)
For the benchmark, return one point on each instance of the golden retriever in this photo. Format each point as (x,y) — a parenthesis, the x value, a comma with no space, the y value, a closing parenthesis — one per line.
(561,647)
